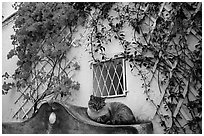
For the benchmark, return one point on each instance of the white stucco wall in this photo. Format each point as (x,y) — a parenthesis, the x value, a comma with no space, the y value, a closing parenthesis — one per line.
(8,65)
(7,9)
(135,99)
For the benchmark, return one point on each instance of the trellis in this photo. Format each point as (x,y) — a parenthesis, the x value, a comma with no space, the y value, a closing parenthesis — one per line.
(27,104)
(34,93)
(181,114)
(189,93)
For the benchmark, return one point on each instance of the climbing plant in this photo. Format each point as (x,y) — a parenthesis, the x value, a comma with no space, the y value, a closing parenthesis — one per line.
(159,49)
(42,40)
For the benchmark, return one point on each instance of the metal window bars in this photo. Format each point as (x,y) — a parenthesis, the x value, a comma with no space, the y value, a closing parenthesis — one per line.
(109,78)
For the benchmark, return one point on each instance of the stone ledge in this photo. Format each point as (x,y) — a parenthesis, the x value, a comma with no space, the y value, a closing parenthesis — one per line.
(70,119)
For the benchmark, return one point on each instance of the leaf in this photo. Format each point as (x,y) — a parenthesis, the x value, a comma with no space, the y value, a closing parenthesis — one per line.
(96,50)
(13,37)
(6,75)
(110,24)
(62,94)
(134,43)
(189,7)
(67,81)
(48,92)
(117,25)
(76,65)
(122,34)
(166,116)
(11,54)
(137,29)
(181,14)
(145,35)
(76,86)
(198,46)
(181,96)
(120,38)
(162,123)
(135,53)
(178,116)
(31,28)
(26,97)
(6,86)
(99,45)
(4,92)
(102,48)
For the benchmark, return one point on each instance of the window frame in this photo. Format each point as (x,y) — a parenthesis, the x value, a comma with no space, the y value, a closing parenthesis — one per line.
(124,89)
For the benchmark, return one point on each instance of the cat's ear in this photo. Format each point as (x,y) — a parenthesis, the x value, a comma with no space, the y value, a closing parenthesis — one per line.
(104,98)
(91,97)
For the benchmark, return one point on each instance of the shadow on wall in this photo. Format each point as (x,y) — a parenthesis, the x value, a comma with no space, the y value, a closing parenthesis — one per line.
(69,119)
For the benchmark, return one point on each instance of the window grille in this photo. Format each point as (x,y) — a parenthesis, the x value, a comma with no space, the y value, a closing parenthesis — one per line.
(109,78)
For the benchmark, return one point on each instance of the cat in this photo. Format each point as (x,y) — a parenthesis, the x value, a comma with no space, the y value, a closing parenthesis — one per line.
(113,113)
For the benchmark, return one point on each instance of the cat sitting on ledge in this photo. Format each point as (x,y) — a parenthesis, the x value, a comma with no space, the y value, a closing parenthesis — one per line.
(113,113)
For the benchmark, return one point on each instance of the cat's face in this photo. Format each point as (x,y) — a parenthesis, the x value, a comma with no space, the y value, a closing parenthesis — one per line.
(96,103)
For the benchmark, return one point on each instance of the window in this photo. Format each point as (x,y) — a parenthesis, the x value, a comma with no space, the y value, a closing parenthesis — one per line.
(109,78)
